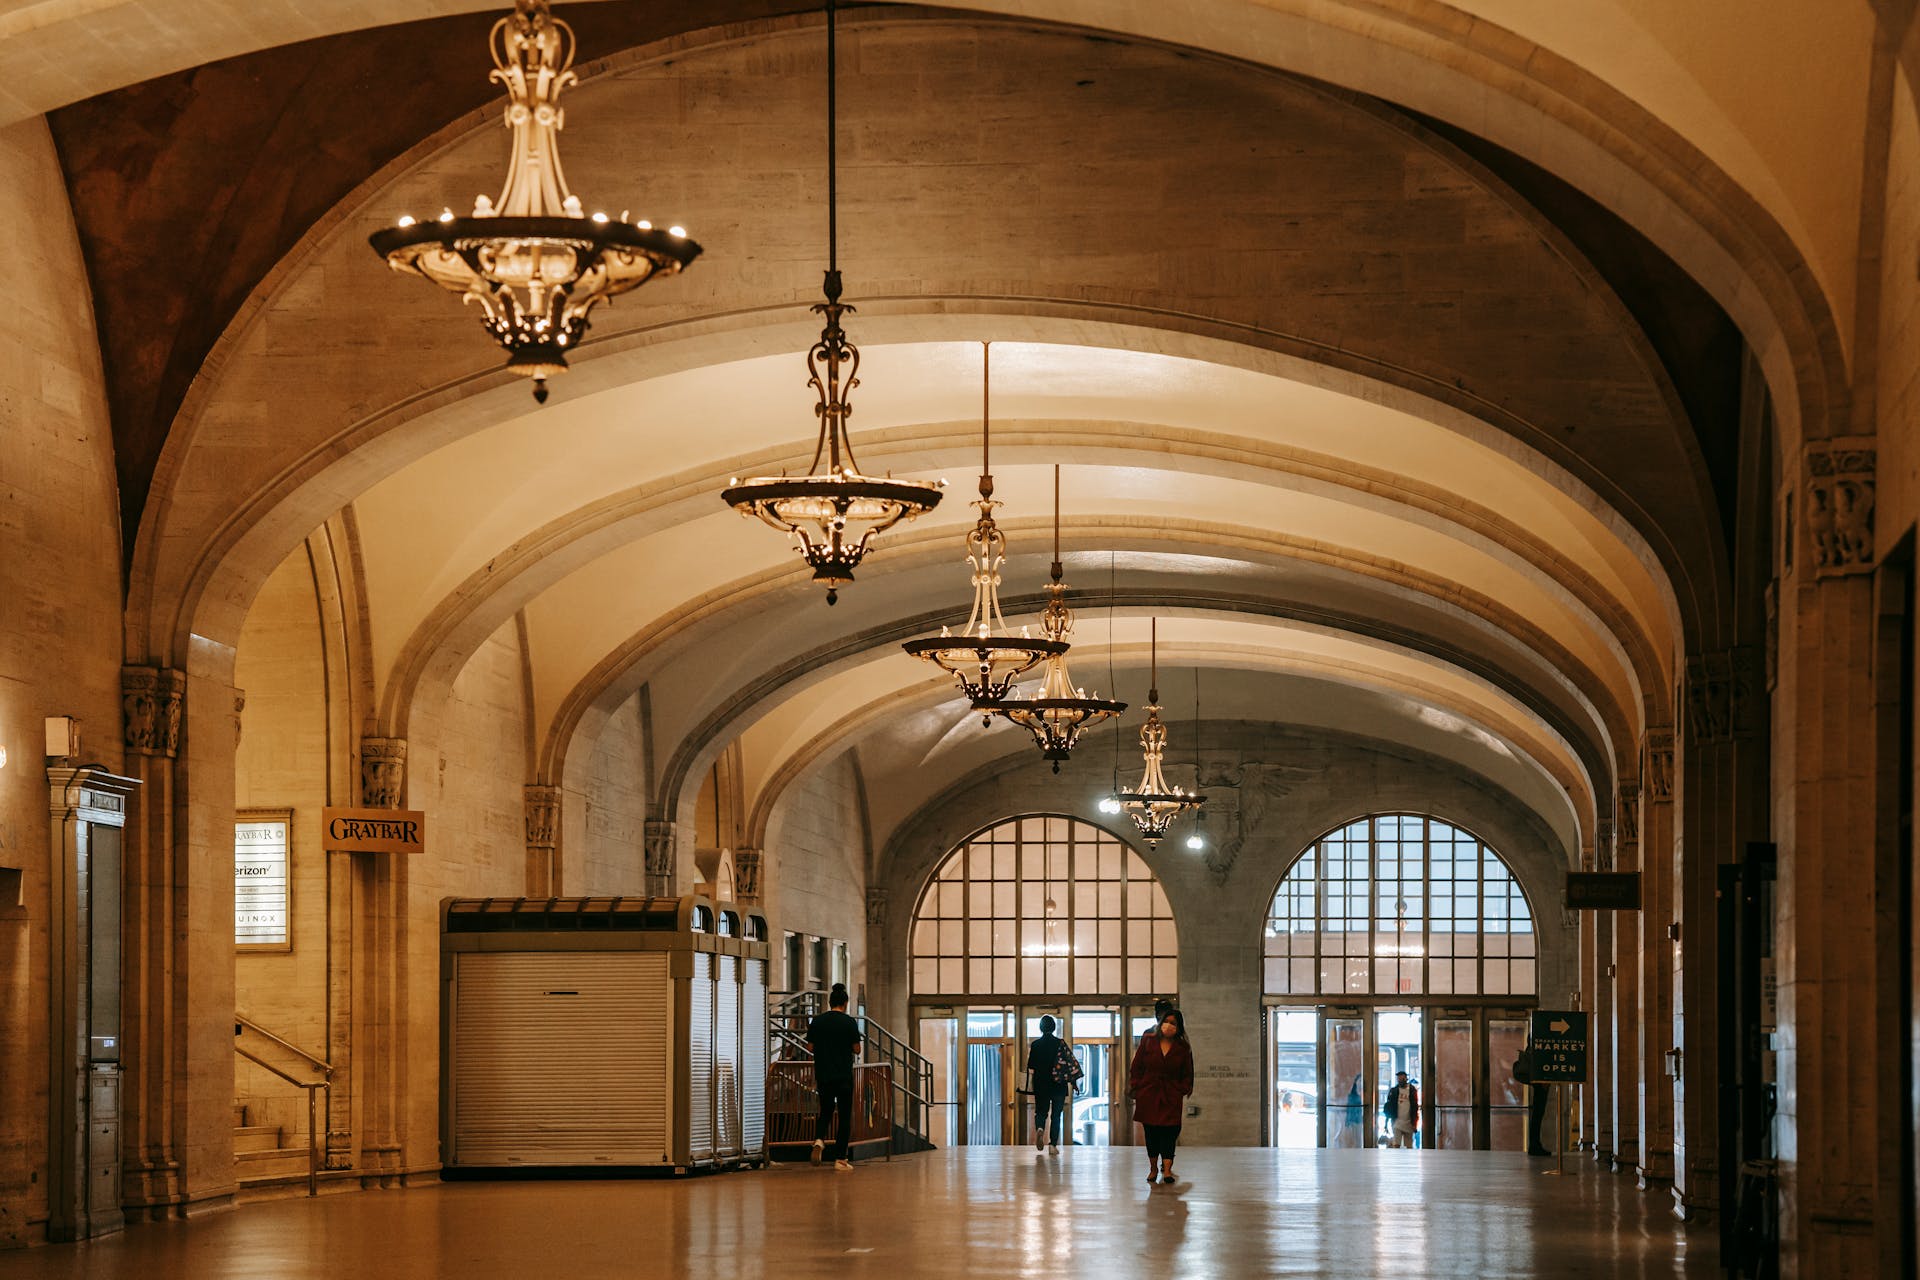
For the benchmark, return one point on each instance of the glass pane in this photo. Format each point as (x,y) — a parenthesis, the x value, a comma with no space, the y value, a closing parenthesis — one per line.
(1110,976)
(985,1105)
(1296,1079)
(937,1043)
(1346,1082)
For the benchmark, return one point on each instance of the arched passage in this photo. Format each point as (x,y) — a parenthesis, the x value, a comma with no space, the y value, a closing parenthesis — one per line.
(1040,915)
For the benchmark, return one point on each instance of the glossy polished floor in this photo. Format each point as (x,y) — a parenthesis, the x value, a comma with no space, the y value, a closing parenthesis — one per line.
(967,1213)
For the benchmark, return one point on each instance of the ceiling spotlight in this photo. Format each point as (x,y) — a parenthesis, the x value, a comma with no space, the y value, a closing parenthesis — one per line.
(1196,841)
(533,261)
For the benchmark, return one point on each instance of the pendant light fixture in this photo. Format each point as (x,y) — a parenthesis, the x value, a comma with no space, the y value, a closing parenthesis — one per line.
(986,657)
(1153,805)
(533,261)
(833,512)
(1060,711)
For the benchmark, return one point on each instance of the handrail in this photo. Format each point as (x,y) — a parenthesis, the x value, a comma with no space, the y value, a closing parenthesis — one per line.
(786,1008)
(318,1064)
(241,1025)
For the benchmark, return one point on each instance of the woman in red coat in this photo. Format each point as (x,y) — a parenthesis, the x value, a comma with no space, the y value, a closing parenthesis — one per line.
(1159,1082)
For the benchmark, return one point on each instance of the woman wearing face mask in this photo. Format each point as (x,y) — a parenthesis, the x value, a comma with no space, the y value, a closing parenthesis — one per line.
(1159,1082)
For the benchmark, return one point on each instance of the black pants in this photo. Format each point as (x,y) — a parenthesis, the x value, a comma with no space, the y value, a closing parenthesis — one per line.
(1160,1140)
(1536,1116)
(836,1103)
(1049,1109)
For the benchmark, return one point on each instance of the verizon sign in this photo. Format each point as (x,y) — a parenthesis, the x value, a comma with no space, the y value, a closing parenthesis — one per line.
(262,883)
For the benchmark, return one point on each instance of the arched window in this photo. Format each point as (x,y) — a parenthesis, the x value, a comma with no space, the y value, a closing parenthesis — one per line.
(1400,904)
(1043,906)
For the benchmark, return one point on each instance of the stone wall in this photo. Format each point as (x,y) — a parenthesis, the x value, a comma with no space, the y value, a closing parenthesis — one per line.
(1291,789)
(60,581)
(814,873)
(605,847)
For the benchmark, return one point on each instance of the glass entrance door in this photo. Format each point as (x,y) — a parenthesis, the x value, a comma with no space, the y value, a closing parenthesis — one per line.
(1296,1077)
(1449,1092)
(1344,1081)
(1397,1041)
(990,1067)
(939,1042)
(1506,1097)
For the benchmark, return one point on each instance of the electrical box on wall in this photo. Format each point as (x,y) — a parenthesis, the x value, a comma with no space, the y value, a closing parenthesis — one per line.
(63,737)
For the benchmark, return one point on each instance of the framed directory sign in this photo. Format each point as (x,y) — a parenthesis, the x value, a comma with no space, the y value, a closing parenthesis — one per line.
(263,880)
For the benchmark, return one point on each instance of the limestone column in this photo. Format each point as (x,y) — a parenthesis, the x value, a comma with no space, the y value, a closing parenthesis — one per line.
(543,838)
(177,975)
(1596,951)
(1623,986)
(660,857)
(151,700)
(381,973)
(1824,958)
(746,876)
(1657,854)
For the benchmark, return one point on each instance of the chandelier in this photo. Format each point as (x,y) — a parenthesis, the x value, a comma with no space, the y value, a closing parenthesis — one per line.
(832,514)
(1060,711)
(533,262)
(1153,805)
(986,658)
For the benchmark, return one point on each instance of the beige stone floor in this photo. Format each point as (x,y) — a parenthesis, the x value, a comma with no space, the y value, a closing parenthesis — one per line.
(981,1212)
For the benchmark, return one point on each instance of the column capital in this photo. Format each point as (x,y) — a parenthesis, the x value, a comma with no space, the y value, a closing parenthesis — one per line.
(1656,764)
(876,906)
(746,875)
(383,772)
(151,699)
(1723,693)
(659,854)
(1837,488)
(543,815)
(1628,830)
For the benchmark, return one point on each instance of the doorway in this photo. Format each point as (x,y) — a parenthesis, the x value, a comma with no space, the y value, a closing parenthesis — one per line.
(1329,1070)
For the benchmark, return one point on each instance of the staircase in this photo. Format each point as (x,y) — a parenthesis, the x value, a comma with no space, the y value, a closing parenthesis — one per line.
(912,1075)
(262,1156)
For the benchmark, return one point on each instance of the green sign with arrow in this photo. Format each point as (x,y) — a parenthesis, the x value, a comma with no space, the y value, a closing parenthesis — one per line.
(1559,1044)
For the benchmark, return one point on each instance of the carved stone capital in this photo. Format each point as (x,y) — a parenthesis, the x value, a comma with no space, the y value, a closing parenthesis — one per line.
(383,772)
(1723,692)
(1656,765)
(1838,495)
(543,816)
(876,906)
(1603,843)
(659,853)
(151,699)
(746,876)
(1628,831)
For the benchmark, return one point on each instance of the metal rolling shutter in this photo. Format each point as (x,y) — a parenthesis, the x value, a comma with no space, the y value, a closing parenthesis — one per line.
(542,1077)
(753,1058)
(726,1057)
(700,1059)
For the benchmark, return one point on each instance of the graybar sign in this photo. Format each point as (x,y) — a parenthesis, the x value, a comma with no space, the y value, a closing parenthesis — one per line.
(373,830)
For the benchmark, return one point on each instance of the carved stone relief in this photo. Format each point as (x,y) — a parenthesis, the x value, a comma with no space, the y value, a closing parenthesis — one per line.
(1628,831)
(746,876)
(1656,765)
(876,906)
(543,816)
(1723,695)
(151,699)
(383,772)
(1237,797)
(659,846)
(1839,482)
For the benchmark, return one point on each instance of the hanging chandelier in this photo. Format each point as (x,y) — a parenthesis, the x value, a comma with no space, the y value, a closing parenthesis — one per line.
(986,657)
(1060,711)
(832,514)
(1153,805)
(533,261)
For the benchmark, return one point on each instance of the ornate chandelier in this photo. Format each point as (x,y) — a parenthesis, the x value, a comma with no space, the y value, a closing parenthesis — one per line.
(832,514)
(986,657)
(1060,711)
(1153,805)
(533,262)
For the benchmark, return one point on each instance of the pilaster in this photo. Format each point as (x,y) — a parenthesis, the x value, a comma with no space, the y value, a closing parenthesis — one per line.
(1657,858)
(1623,930)
(661,851)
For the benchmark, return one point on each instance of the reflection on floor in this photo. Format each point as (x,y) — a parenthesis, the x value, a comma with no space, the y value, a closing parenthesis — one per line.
(968,1213)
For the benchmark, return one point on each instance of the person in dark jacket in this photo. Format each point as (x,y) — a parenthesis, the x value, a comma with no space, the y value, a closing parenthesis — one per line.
(1049,1093)
(1536,1101)
(1159,1082)
(834,1037)
(1401,1112)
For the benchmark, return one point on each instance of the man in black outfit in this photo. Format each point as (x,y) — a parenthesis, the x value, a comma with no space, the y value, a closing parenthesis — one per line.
(834,1038)
(1536,1101)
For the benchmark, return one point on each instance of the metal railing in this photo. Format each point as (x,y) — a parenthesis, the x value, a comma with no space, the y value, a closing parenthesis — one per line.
(911,1073)
(321,1078)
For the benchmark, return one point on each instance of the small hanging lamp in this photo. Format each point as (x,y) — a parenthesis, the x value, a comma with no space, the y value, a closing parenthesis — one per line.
(985,657)
(534,261)
(832,513)
(1153,805)
(1060,711)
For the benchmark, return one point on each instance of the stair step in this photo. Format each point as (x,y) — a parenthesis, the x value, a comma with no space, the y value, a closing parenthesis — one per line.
(239,1115)
(277,1162)
(248,1139)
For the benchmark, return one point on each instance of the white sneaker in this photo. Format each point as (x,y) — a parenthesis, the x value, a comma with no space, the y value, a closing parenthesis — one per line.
(819,1148)
(843,1166)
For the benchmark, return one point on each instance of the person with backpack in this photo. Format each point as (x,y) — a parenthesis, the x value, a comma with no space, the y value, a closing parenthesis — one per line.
(1053,1070)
